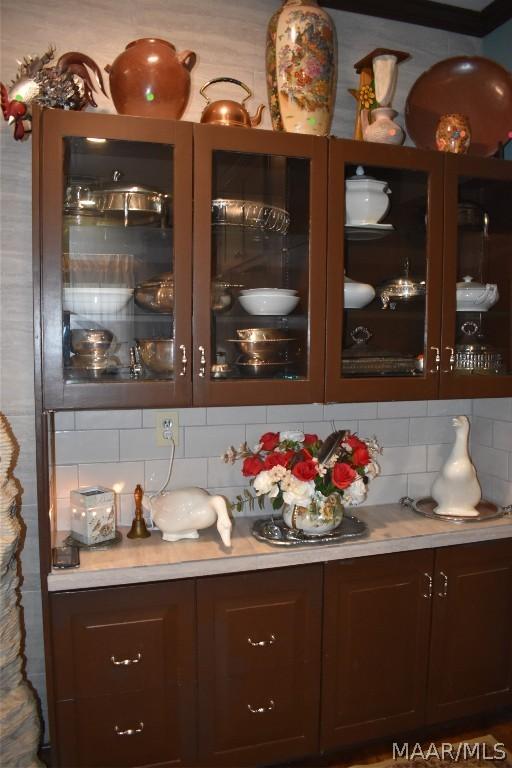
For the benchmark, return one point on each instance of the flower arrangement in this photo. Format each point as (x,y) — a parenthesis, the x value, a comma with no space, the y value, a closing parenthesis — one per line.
(300,470)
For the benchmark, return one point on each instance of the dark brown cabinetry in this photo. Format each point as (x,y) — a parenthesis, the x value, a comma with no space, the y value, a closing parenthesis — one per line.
(471,651)
(203,214)
(415,637)
(259,666)
(254,668)
(376,639)
(125,671)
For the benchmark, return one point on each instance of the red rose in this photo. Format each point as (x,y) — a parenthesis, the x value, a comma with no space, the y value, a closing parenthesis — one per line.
(309,438)
(360,455)
(343,475)
(280,458)
(353,441)
(305,470)
(252,465)
(269,441)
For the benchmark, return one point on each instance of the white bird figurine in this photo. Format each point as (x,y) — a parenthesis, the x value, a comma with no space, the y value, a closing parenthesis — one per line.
(456,488)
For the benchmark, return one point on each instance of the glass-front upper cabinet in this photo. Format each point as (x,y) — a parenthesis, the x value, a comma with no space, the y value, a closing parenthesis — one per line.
(115,202)
(477,301)
(384,272)
(259,266)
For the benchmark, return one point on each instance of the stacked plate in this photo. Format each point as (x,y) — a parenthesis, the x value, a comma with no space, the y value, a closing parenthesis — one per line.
(269,301)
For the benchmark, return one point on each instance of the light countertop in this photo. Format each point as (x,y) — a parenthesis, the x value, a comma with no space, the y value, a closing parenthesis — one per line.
(392,528)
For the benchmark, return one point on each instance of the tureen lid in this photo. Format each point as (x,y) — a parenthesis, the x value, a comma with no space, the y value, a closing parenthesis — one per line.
(360,175)
(470,282)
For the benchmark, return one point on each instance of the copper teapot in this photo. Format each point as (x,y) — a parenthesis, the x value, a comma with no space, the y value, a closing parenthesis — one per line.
(227,112)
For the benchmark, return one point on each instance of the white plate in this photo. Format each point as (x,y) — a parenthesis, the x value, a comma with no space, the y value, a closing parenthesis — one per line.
(367,231)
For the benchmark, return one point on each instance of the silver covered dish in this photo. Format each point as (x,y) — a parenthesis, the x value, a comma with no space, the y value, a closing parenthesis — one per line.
(401,288)
(156,294)
(472,355)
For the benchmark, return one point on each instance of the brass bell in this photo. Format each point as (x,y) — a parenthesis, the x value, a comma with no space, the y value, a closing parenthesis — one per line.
(138,529)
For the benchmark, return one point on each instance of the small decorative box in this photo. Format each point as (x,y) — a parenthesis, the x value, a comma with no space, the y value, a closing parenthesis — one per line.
(93,514)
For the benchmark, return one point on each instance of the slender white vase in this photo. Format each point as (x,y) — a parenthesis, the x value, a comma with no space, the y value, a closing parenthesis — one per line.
(456,488)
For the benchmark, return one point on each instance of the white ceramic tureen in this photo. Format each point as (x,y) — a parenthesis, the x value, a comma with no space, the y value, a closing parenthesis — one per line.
(475,297)
(366,199)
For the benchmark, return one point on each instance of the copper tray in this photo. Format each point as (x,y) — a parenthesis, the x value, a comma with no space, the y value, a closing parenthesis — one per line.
(486,510)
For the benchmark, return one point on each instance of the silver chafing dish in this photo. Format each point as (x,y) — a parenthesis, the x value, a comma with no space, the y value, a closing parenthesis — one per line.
(473,355)
(401,288)
(363,359)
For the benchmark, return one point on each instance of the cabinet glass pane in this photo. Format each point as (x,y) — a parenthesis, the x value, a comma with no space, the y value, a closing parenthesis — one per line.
(483,343)
(260,265)
(384,326)
(117,260)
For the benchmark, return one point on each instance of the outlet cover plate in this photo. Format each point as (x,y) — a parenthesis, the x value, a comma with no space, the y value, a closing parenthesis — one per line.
(166,422)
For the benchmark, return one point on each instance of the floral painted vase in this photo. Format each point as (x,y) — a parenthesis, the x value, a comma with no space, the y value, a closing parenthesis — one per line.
(453,134)
(315,519)
(301,63)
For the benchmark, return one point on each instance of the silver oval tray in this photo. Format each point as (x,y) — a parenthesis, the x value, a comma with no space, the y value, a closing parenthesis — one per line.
(71,541)
(275,531)
(486,510)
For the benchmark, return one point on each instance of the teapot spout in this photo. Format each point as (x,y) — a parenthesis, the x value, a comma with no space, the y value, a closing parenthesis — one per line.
(256,119)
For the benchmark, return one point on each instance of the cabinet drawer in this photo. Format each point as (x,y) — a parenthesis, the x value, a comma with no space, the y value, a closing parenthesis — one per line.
(123,639)
(258,719)
(259,622)
(95,733)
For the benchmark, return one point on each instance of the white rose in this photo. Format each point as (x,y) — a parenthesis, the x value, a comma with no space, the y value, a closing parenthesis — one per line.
(355,493)
(278,473)
(372,469)
(263,483)
(299,492)
(294,437)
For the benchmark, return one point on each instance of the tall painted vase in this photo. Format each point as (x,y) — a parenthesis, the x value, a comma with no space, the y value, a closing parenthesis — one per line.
(301,63)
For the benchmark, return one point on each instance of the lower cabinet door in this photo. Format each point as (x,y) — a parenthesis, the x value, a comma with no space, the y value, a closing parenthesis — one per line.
(376,631)
(259,666)
(143,729)
(471,668)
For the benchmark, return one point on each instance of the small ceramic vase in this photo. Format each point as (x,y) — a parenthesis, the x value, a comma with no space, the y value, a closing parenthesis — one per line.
(315,520)
(301,63)
(453,134)
(383,128)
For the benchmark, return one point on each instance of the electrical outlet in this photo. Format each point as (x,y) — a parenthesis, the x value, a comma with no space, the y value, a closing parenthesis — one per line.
(166,426)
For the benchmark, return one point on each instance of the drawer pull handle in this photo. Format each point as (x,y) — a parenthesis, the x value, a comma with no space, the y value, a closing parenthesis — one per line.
(129,731)
(126,662)
(261,710)
(262,643)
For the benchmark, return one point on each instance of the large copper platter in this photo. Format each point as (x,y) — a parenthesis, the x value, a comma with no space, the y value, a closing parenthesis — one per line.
(472,85)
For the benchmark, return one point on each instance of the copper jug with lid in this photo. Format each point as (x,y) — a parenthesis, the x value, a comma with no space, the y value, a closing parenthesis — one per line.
(228,112)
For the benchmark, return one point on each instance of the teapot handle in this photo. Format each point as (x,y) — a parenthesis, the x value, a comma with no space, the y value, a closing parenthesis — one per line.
(187,58)
(226,80)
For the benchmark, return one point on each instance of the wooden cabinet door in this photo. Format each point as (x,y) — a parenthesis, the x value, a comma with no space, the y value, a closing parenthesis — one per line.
(260,201)
(471,654)
(477,236)
(375,656)
(125,656)
(259,666)
(407,238)
(92,259)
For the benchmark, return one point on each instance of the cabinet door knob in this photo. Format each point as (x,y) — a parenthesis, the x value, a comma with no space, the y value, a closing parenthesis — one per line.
(129,731)
(260,710)
(202,362)
(444,590)
(451,360)
(184,360)
(262,643)
(126,662)
(428,593)
(437,360)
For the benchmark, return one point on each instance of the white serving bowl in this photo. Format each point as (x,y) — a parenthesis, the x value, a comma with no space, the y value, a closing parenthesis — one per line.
(356,294)
(268,303)
(269,291)
(95,300)
(366,199)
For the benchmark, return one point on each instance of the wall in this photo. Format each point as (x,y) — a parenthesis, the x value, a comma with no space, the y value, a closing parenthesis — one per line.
(496,46)
(229,37)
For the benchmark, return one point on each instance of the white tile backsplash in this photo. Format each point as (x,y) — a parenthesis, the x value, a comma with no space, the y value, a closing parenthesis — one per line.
(499,408)
(416,437)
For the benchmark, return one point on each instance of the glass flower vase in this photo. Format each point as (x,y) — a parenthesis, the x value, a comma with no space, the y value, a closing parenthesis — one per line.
(316,519)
